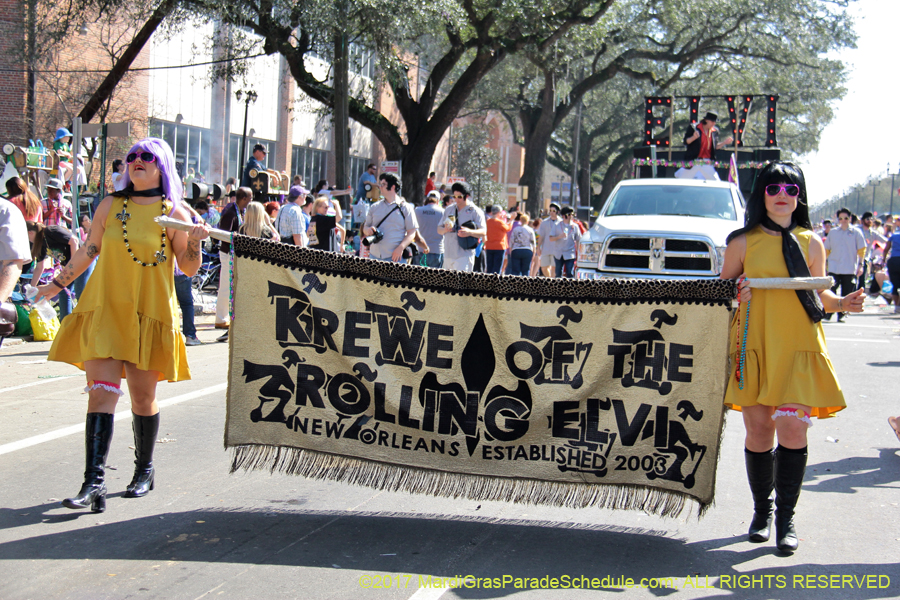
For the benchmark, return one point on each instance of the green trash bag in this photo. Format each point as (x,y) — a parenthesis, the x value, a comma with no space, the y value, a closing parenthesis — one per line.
(23,327)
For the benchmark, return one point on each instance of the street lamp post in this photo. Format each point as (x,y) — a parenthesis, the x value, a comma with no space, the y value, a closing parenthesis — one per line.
(874,186)
(249,97)
(891,210)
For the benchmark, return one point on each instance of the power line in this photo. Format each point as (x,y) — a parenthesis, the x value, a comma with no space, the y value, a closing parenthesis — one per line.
(201,64)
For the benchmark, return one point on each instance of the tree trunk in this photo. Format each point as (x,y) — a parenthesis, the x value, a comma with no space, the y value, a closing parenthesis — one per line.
(106,88)
(614,174)
(415,172)
(538,124)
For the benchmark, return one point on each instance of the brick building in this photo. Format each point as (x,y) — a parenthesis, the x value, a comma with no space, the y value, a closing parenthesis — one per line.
(202,120)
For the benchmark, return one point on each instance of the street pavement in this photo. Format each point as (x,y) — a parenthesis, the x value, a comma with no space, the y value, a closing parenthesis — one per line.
(205,533)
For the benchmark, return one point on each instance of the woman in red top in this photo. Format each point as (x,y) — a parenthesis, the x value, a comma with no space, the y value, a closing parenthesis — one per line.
(24,199)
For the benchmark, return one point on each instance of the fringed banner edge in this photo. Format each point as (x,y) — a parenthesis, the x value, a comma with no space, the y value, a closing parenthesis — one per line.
(314,464)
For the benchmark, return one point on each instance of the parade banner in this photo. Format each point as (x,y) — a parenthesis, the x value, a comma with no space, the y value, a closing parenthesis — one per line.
(550,391)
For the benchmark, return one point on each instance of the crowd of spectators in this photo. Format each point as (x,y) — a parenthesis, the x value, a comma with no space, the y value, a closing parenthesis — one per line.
(448,230)
(861,254)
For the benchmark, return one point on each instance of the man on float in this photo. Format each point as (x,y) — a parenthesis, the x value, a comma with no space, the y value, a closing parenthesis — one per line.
(255,162)
(702,141)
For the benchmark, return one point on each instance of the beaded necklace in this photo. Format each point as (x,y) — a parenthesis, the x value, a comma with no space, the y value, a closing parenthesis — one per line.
(160,255)
(742,347)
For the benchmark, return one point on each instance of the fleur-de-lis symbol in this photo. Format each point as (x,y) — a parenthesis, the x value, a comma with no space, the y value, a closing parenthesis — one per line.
(160,256)
(123,216)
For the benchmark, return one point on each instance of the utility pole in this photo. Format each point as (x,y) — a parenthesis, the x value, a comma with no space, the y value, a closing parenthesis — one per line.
(891,209)
(874,183)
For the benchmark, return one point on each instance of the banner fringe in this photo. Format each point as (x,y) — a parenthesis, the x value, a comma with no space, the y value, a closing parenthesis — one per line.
(383,476)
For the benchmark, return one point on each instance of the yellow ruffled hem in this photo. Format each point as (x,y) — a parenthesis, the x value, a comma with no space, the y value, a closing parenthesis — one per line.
(158,347)
(810,381)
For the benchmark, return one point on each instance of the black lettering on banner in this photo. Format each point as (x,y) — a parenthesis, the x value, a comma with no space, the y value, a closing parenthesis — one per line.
(404,419)
(428,398)
(279,387)
(535,357)
(560,353)
(455,408)
(680,356)
(356,431)
(309,379)
(629,429)
(381,413)
(437,343)
(675,456)
(652,439)
(334,430)
(301,324)
(348,395)
(353,332)
(401,341)
(400,337)
(564,413)
(455,414)
(649,366)
(506,412)
(592,431)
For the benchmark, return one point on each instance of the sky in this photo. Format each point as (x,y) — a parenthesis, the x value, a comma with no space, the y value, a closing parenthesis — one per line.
(861,140)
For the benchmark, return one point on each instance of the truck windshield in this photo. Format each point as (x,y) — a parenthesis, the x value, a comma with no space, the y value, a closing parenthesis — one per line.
(688,201)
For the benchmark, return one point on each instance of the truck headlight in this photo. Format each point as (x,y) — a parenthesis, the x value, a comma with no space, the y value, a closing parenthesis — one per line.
(720,256)
(589,253)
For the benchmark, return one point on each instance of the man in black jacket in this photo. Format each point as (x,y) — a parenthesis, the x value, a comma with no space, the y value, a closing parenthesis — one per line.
(255,162)
(702,141)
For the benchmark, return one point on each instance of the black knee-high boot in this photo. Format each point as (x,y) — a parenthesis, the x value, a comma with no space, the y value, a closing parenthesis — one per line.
(790,467)
(98,432)
(145,432)
(761,477)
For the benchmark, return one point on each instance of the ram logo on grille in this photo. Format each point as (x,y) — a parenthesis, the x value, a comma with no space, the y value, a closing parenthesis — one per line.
(659,255)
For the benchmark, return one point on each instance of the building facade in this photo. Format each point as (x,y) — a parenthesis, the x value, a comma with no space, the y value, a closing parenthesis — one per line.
(204,121)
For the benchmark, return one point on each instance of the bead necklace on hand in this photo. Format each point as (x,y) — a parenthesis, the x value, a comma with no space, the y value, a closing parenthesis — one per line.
(159,255)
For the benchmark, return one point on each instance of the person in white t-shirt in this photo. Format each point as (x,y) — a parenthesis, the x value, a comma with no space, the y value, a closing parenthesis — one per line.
(118,179)
(522,243)
(463,226)
(14,248)
(546,248)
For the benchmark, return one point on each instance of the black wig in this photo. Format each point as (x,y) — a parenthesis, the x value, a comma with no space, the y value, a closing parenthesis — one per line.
(775,172)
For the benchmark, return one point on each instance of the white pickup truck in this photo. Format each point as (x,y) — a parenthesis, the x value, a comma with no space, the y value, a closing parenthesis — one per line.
(662,229)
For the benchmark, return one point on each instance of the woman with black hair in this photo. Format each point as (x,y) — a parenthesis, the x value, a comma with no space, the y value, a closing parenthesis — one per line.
(783,375)
(59,243)
(118,175)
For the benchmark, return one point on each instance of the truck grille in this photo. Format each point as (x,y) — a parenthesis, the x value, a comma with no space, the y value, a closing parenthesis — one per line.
(659,256)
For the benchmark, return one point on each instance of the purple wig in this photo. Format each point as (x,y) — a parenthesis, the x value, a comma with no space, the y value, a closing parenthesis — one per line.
(165,161)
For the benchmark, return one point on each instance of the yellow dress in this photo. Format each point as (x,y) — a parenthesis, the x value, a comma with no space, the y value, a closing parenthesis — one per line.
(128,312)
(787,359)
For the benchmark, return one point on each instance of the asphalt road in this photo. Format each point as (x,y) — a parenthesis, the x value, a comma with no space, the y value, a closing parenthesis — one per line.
(204,533)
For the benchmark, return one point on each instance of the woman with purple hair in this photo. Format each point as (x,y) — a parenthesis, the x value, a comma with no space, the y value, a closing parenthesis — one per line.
(125,322)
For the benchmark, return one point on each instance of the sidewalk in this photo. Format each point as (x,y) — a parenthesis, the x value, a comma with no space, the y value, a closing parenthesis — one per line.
(204,318)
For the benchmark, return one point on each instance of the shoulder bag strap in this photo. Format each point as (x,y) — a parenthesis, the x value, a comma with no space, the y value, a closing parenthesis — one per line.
(396,206)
